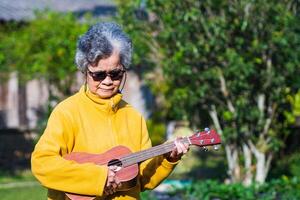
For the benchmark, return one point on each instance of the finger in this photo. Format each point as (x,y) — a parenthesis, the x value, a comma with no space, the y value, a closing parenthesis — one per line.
(173,152)
(114,185)
(106,191)
(117,181)
(178,147)
(107,184)
(113,188)
(110,179)
(111,172)
(187,147)
(183,147)
(111,191)
(119,185)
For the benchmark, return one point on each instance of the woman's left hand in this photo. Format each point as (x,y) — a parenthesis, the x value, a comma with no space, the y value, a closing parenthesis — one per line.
(179,150)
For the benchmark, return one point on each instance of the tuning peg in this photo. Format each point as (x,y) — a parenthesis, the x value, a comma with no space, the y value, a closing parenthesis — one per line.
(216,147)
(205,149)
(207,130)
(197,131)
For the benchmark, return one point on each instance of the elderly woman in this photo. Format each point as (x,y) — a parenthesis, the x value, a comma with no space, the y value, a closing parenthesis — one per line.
(95,120)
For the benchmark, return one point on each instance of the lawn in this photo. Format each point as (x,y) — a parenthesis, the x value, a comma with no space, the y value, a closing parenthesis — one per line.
(24,193)
(20,186)
(23,186)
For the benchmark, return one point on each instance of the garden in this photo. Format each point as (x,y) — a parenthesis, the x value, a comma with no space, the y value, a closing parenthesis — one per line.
(232,66)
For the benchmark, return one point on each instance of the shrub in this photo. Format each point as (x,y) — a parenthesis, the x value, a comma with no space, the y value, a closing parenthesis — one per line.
(284,189)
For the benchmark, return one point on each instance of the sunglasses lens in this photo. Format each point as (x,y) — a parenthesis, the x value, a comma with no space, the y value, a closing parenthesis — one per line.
(101,75)
(116,74)
(98,76)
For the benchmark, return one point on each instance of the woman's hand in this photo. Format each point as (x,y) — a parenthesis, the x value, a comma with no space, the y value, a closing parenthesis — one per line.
(179,150)
(112,182)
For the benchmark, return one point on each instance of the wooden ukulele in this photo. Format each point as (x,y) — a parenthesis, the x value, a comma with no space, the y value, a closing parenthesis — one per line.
(127,161)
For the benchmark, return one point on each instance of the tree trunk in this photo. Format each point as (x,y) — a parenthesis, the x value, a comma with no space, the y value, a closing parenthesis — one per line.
(233,163)
(230,149)
(260,167)
(263,161)
(247,180)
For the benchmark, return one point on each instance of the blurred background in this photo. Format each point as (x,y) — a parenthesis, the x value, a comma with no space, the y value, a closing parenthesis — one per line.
(232,66)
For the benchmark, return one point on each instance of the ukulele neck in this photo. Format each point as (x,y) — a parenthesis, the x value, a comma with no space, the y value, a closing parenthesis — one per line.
(143,155)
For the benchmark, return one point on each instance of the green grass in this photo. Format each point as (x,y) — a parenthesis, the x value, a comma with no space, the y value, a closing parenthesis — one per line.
(20,185)
(8,177)
(24,193)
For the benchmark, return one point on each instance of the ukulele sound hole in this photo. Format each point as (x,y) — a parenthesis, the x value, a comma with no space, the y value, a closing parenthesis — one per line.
(115,162)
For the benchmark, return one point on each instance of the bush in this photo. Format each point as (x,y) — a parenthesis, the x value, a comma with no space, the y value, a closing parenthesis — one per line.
(288,165)
(294,165)
(284,189)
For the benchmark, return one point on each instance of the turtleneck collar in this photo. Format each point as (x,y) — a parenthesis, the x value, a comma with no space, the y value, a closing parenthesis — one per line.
(110,104)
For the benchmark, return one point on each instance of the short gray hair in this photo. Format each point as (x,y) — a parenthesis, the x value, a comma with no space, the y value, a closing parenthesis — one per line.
(99,42)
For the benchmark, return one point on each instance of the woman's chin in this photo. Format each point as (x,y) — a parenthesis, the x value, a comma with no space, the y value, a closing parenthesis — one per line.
(105,94)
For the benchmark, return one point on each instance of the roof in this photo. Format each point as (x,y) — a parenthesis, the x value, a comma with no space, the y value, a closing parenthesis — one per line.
(20,10)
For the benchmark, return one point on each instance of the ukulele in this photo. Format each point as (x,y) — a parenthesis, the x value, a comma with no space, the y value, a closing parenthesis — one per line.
(127,162)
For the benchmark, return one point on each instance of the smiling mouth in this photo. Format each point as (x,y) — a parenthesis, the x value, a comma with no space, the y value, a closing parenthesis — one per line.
(106,90)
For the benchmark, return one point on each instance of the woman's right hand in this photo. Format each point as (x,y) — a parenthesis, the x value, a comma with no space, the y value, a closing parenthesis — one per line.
(112,182)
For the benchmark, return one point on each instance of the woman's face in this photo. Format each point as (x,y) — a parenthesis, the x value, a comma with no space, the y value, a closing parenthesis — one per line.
(104,78)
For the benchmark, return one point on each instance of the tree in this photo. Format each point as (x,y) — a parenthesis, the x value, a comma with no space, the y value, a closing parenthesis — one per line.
(232,61)
(6,29)
(44,48)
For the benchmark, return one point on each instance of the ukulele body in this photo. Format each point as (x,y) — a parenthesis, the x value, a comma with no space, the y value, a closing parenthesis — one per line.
(127,175)
(128,172)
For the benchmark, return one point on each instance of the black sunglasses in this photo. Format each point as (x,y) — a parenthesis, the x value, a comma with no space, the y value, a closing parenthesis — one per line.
(115,74)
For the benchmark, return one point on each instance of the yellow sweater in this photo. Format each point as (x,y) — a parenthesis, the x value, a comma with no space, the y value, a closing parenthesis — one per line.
(86,123)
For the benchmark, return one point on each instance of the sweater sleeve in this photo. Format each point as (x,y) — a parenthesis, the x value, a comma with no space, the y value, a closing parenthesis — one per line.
(55,172)
(155,170)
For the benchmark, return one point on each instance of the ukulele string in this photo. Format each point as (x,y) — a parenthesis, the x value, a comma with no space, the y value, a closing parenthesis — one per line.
(148,153)
(160,149)
(135,157)
(154,151)
(139,156)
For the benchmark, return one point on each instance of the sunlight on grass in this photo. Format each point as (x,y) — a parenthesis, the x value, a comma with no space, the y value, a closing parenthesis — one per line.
(20,185)
(24,193)
(24,175)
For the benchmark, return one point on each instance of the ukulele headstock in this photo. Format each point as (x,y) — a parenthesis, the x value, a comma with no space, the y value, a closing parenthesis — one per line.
(205,138)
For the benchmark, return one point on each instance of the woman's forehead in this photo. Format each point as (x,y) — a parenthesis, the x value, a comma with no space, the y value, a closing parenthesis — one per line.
(110,62)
